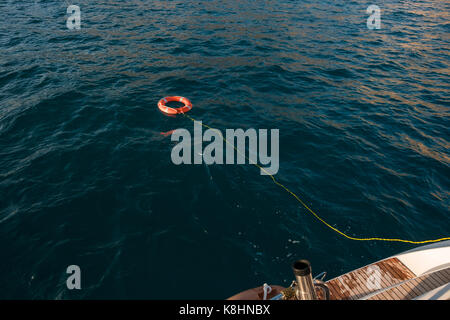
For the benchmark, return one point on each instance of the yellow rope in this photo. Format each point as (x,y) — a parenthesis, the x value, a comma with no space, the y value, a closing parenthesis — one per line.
(308,208)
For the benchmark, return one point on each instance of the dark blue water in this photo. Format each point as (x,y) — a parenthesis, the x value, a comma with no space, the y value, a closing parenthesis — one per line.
(86,177)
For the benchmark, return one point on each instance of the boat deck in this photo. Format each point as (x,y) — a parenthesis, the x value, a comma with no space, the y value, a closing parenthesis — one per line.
(390,274)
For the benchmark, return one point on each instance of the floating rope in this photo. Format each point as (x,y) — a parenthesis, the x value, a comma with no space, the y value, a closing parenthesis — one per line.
(308,208)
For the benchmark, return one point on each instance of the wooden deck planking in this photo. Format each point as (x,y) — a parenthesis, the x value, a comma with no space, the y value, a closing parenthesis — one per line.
(394,271)
(441,276)
(413,288)
(357,284)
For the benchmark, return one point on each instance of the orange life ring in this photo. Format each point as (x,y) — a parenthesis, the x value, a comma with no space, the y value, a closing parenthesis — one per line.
(162,105)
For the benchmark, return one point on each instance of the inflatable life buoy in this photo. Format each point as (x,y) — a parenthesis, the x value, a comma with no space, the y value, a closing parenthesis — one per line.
(162,105)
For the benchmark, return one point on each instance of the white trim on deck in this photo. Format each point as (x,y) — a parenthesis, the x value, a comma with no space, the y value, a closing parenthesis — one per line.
(429,258)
